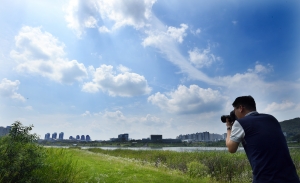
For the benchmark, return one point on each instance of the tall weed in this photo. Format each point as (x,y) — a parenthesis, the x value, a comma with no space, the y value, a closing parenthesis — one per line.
(59,166)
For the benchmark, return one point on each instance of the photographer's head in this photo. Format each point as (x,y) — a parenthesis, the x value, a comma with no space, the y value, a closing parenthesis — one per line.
(243,105)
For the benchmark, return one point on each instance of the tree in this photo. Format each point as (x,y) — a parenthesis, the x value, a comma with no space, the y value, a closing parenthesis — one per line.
(20,155)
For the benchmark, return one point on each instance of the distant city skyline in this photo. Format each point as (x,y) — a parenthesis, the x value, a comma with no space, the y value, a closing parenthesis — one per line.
(197,136)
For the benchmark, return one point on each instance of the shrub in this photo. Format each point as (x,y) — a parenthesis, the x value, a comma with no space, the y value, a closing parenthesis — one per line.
(197,169)
(20,155)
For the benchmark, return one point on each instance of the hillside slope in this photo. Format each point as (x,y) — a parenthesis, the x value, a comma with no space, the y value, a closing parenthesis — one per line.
(291,126)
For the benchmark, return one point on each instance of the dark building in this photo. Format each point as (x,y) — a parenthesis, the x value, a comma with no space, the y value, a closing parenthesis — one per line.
(171,141)
(82,138)
(155,138)
(77,137)
(123,137)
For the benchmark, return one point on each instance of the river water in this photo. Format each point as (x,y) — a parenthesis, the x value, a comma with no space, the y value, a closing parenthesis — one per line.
(178,149)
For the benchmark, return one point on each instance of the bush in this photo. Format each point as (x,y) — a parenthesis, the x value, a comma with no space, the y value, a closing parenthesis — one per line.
(197,169)
(20,155)
(59,166)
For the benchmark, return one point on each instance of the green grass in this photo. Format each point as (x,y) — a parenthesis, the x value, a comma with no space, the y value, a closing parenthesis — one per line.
(97,165)
(104,168)
(220,166)
(60,165)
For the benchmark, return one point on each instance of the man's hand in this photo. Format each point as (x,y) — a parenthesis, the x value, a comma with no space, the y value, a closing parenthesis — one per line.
(231,145)
(228,123)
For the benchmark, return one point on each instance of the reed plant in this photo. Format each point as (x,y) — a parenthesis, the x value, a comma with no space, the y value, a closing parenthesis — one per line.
(59,165)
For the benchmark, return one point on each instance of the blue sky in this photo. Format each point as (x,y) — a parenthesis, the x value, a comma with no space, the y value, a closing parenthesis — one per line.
(145,66)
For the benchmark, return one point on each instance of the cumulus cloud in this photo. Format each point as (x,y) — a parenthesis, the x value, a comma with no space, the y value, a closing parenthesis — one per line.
(249,81)
(116,115)
(124,83)
(103,29)
(151,120)
(41,53)
(188,100)
(107,14)
(158,38)
(8,89)
(196,32)
(86,113)
(285,105)
(202,58)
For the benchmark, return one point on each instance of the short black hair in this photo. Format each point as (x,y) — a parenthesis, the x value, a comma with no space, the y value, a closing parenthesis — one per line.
(247,101)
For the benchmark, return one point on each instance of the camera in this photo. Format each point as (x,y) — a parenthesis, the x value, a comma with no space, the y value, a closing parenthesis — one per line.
(231,117)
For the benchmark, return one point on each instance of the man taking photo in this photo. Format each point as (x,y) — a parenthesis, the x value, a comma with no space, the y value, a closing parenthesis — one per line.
(263,142)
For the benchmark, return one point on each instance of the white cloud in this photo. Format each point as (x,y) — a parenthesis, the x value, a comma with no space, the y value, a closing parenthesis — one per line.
(132,12)
(90,22)
(117,84)
(86,113)
(81,14)
(113,14)
(103,29)
(166,40)
(202,58)
(158,38)
(177,33)
(8,89)
(249,82)
(262,69)
(123,69)
(196,32)
(285,105)
(78,14)
(41,53)
(116,115)
(188,100)
(151,120)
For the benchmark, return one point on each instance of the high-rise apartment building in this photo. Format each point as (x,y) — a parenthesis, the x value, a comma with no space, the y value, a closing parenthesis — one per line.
(54,135)
(88,138)
(61,136)
(4,131)
(47,136)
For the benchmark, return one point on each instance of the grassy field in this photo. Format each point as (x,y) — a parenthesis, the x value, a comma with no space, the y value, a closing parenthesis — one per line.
(97,165)
(218,166)
(105,168)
